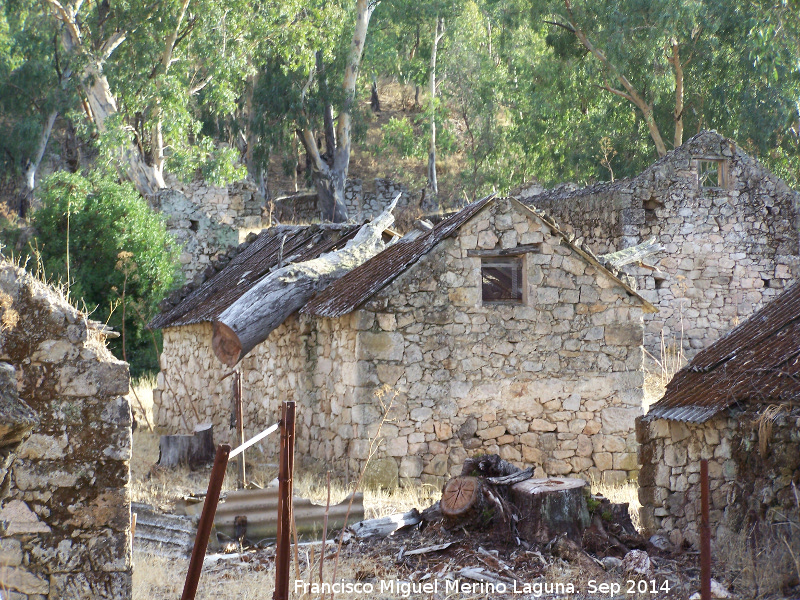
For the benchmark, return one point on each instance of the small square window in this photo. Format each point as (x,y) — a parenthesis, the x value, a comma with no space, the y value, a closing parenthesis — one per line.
(711,173)
(501,279)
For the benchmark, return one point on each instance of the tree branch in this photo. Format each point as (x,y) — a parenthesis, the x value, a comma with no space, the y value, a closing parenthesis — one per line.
(617,92)
(562,25)
(200,86)
(111,44)
(677,114)
(67,19)
(635,98)
(169,45)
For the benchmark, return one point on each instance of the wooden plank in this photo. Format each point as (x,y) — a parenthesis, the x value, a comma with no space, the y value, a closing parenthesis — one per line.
(527,249)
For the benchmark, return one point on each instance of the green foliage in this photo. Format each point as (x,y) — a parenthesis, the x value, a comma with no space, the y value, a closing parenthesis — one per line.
(398,136)
(118,247)
(410,137)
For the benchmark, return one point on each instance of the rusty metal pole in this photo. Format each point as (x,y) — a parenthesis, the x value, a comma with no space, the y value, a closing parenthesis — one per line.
(237,387)
(206,522)
(705,535)
(285,473)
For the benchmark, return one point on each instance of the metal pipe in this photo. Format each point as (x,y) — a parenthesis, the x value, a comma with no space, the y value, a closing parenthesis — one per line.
(705,535)
(206,522)
(285,471)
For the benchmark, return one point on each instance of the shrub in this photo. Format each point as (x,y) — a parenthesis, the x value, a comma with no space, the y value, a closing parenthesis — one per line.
(114,247)
(398,135)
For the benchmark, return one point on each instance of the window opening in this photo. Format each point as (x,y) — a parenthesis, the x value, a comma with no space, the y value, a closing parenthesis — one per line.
(711,173)
(501,279)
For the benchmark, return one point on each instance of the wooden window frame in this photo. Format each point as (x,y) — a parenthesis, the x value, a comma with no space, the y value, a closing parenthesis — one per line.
(506,259)
(723,176)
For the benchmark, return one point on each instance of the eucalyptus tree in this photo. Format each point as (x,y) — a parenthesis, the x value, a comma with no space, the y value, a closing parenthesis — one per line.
(684,64)
(34,90)
(137,72)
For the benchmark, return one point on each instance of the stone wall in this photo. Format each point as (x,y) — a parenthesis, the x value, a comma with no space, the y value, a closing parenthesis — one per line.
(747,478)
(365,202)
(305,359)
(66,519)
(555,382)
(206,219)
(728,251)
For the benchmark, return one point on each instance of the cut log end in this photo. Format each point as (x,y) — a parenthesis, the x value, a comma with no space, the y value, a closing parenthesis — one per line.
(226,344)
(460,496)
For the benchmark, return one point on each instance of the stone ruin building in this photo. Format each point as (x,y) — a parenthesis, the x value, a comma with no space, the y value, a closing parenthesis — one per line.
(207,220)
(491,332)
(65,445)
(734,404)
(210,221)
(729,229)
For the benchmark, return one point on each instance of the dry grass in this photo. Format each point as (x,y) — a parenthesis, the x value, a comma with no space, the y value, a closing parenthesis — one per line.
(141,399)
(759,562)
(159,577)
(660,370)
(622,493)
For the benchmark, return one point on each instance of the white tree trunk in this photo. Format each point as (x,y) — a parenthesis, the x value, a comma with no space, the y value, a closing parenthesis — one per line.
(437,36)
(101,102)
(33,166)
(329,180)
(248,321)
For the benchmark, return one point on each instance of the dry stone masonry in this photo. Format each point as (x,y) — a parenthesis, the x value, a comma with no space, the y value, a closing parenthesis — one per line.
(750,472)
(364,203)
(65,521)
(728,226)
(554,381)
(207,220)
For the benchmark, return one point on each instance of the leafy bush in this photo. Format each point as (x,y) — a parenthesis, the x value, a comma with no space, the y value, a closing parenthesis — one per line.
(398,135)
(103,238)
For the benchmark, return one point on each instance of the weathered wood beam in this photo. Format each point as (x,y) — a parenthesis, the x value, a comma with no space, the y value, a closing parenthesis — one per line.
(529,248)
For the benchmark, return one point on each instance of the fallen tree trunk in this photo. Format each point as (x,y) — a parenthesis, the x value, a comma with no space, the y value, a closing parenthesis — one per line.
(248,321)
(192,450)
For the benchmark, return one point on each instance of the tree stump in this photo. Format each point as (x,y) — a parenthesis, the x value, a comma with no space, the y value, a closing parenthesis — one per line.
(550,507)
(192,450)
(462,499)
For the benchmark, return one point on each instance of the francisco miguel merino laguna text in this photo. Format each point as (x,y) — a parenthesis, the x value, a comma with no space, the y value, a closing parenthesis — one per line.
(405,589)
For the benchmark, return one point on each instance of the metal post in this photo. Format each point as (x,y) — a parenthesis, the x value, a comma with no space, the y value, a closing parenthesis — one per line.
(705,535)
(206,522)
(237,392)
(285,473)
